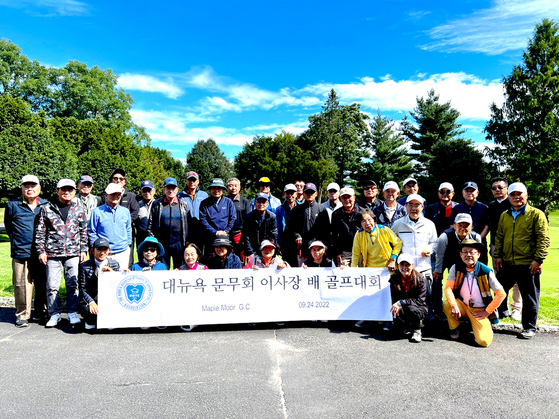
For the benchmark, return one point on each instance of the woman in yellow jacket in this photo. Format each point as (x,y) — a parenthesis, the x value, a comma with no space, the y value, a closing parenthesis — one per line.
(378,245)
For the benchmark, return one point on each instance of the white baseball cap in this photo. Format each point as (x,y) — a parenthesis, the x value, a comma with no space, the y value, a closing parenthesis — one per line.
(415,197)
(410,179)
(333,185)
(518,187)
(65,182)
(405,257)
(446,185)
(29,179)
(391,185)
(113,188)
(463,218)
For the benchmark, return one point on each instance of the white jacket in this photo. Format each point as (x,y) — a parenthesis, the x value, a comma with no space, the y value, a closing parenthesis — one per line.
(417,237)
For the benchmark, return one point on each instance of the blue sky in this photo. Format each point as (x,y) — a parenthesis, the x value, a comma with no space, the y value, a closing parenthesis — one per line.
(234,69)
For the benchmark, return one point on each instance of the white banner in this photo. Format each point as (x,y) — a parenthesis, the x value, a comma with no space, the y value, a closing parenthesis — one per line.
(169,298)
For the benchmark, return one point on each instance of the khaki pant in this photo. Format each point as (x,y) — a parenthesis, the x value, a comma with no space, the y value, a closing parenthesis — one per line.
(23,288)
(483,331)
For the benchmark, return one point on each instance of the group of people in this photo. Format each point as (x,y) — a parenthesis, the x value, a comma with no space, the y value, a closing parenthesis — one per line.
(189,229)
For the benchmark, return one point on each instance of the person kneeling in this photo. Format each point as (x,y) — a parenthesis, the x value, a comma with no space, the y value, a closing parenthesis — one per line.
(88,280)
(148,252)
(468,293)
(409,290)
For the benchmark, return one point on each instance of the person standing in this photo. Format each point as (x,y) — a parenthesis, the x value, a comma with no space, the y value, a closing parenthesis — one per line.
(261,224)
(21,218)
(217,215)
(370,191)
(418,235)
(521,246)
(169,223)
(333,202)
(264,185)
(114,223)
(242,205)
(390,211)
(478,211)
(128,200)
(62,244)
(499,188)
(283,215)
(299,196)
(440,212)
(193,196)
(148,197)
(410,187)
(85,198)
(344,227)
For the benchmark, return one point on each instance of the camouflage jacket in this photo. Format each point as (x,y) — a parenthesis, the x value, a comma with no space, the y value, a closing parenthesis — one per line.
(59,239)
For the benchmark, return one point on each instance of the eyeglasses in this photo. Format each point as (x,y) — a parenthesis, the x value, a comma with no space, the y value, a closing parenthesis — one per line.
(497,187)
(118,179)
(150,249)
(447,192)
(146,190)
(261,201)
(470,252)
(87,184)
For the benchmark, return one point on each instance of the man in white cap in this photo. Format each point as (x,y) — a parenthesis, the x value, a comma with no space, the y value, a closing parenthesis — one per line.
(478,211)
(521,247)
(344,227)
(447,254)
(418,235)
(20,219)
(390,210)
(409,186)
(62,244)
(113,222)
(333,202)
(370,191)
(441,211)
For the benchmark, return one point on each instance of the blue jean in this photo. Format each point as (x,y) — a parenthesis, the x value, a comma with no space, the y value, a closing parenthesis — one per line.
(54,272)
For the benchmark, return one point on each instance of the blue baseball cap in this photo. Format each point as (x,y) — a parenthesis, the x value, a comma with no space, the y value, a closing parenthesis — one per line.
(170,181)
(147,184)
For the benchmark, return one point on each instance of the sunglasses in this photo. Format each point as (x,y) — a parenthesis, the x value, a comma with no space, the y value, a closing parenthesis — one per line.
(447,192)
(368,188)
(118,179)
(150,249)
(494,188)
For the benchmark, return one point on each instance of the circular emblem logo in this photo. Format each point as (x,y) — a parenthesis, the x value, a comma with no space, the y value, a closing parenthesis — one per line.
(134,292)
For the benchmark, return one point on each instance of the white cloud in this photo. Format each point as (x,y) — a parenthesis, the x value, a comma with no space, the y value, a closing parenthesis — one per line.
(506,26)
(52,7)
(145,83)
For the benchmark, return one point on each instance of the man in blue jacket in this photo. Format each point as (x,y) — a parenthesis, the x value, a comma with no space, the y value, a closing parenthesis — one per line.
(217,215)
(21,219)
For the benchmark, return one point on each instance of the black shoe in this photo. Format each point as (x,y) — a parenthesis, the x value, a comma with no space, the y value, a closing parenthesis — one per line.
(22,323)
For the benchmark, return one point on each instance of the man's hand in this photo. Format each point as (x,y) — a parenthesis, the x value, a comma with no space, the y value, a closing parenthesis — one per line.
(455,312)
(109,269)
(480,315)
(498,263)
(299,241)
(535,267)
(93,308)
(437,275)
(221,233)
(391,264)
(426,253)
(83,257)
(43,258)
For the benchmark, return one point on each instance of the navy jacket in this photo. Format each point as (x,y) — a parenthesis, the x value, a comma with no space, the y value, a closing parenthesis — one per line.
(88,282)
(254,231)
(21,224)
(215,217)
(232,261)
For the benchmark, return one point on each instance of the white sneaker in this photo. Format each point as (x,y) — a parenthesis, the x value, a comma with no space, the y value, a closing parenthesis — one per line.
(53,321)
(89,326)
(516,315)
(73,318)
(189,328)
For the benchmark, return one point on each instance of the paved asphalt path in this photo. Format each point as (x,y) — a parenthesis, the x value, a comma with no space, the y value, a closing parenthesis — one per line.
(301,370)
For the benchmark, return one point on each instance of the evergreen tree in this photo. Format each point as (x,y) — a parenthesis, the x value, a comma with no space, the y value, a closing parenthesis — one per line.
(207,159)
(526,128)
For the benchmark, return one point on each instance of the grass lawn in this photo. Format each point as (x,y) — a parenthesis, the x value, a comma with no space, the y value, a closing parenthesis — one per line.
(549,299)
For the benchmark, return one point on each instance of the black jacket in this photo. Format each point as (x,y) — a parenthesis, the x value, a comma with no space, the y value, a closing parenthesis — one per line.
(154,221)
(414,297)
(344,227)
(88,282)
(254,232)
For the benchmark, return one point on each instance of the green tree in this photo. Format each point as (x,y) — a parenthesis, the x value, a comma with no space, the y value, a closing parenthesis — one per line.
(458,161)
(28,147)
(280,158)
(207,159)
(432,122)
(337,137)
(526,128)
(389,159)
